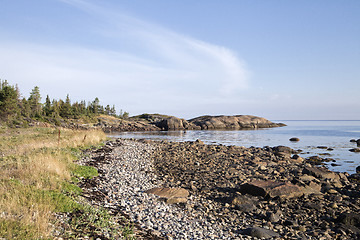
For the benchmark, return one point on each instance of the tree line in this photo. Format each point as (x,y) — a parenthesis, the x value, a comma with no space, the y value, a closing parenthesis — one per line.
(15,107)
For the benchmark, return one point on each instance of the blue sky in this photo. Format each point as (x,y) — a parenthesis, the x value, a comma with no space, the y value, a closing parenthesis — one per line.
(272,58)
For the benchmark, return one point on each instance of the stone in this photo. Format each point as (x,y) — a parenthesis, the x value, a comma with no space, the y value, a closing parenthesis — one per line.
(294,139)
(198,141)
(358,169)
(297,158)
(271,189)
(283,149)
(356,150)
(174,200)
(273,217)
(321,173)
(242,202)
(349,219)
(259,232)
(322,147)
(169,192)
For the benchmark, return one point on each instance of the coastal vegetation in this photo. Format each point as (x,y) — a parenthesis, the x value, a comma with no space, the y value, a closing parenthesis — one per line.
(38,177)
(40,197)
(16,110)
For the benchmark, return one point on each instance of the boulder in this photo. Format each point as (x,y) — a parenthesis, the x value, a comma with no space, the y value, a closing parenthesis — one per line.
(321,173)
(169,192)
(233,122)
(170,195)
(271,189)
(356,150)
(172,123)
(294,139)
(283,149)
(242,202)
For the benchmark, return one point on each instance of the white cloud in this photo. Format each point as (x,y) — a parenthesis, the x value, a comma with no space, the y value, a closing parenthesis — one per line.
(157,70)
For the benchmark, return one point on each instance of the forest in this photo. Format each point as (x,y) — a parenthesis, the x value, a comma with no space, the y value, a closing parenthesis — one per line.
(15,109)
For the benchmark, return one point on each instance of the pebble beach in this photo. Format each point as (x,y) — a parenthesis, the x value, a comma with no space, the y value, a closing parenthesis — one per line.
(231,192)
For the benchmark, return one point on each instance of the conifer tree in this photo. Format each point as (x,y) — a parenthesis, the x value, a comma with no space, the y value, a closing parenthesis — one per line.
(34,101)
(47,108)
(9,101)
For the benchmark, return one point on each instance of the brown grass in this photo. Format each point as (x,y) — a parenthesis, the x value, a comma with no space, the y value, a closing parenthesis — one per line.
(34,163)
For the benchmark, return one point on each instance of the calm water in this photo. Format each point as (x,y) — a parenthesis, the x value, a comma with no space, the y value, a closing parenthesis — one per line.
(334,134)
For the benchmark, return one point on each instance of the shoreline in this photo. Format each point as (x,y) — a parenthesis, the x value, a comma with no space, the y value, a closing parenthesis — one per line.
(235,192)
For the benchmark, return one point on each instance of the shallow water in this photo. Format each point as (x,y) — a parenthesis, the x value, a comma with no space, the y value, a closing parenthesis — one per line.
(333,134)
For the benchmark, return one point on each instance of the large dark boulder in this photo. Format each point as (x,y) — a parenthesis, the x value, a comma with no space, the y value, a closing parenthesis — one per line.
(233,122)
(174,123)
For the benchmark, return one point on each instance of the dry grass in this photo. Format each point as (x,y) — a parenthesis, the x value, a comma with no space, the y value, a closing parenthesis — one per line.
(34,163)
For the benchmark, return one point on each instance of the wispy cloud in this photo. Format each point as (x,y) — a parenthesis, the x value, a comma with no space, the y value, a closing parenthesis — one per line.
(146,67)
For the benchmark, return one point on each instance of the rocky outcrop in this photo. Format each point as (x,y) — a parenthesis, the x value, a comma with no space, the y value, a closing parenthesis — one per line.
(233,122)
(174,123)
(108,124)
(158,122)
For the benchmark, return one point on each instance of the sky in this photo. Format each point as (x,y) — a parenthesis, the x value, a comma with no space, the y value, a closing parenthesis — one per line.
(282,60)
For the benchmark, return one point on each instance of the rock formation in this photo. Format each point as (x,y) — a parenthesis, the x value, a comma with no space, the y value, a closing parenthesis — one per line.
(233,122)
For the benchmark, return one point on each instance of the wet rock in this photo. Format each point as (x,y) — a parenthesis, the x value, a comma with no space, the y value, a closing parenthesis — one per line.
(322,147)
(258,232)
(315,160)
(294,139)
(198,141)
(283,149)
(356,150)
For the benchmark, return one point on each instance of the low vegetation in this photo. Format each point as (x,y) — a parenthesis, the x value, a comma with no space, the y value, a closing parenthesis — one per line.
(37,179)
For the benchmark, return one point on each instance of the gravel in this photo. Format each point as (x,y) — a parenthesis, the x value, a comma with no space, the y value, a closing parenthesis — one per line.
(129,174)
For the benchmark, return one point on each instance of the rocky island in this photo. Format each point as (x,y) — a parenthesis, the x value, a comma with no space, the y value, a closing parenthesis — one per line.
(158,122)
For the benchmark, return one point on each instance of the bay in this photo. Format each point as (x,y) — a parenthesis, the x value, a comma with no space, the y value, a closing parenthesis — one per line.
(312,134)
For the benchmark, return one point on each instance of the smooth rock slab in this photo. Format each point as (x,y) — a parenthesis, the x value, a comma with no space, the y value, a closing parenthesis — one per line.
(169,192)
(320,173)
(272,189)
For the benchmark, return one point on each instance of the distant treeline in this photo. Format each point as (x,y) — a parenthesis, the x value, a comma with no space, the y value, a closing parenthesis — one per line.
(14,107)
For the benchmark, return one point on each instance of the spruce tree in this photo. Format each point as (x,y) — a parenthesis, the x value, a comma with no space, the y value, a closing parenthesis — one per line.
(34,101)
(47,108)
(9,101)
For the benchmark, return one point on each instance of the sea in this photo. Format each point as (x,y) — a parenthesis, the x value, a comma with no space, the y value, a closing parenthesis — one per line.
(313,135)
